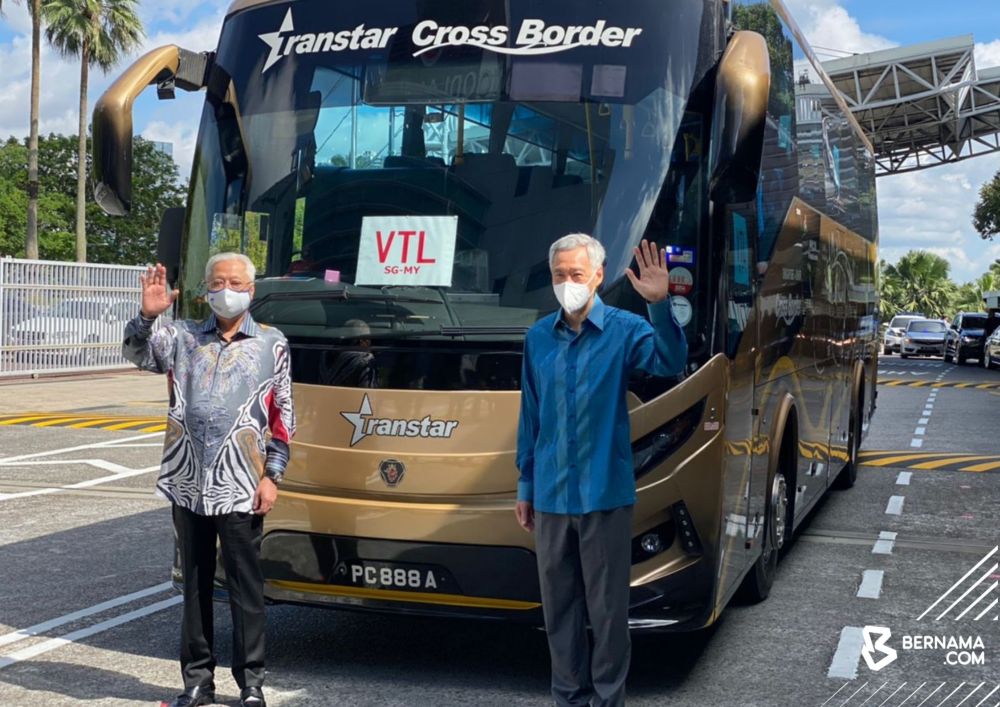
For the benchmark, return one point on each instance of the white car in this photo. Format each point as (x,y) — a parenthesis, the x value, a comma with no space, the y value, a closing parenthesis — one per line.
(893,338)
(71,332)
(924,337)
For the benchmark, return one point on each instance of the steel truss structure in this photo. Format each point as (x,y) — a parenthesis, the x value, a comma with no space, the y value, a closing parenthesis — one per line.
(922,105)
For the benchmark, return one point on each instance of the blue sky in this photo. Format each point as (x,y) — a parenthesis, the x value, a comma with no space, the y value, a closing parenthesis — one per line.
(930,210)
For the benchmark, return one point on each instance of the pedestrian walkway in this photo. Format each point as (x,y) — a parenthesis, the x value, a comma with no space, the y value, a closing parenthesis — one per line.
(126,395)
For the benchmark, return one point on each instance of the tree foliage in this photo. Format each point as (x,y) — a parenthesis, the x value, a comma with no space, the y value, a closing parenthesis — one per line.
(919,282)
(129,240)
(986,216)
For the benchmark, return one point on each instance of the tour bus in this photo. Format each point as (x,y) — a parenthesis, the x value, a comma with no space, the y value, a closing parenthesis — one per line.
(397,170)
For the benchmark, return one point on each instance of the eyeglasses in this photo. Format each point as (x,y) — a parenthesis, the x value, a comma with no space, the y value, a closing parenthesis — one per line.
(235,284)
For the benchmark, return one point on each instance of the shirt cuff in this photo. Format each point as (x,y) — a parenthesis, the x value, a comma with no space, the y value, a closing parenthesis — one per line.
(661,312)
(277,458)
(526,491)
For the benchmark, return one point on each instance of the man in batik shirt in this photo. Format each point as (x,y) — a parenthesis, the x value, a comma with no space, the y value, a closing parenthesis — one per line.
(225,452)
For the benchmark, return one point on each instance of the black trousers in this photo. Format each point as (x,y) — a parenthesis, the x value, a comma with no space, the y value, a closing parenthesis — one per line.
(239,535)
(583,566)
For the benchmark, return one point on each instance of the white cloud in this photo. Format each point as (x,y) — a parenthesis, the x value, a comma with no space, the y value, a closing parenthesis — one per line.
(58,101)
(182,135)
(988,54)
(932,210)
(829,25)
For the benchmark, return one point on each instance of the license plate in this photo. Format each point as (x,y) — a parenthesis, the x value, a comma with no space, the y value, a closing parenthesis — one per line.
(391,575)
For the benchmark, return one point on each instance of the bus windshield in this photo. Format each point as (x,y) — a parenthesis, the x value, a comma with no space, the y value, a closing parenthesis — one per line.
(522,121)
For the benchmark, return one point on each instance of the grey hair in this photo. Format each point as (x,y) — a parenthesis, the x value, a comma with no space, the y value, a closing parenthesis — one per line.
(222,257)
(595,251)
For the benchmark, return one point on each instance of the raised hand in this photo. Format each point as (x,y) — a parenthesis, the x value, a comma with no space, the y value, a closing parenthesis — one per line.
(157,297)
(653,282)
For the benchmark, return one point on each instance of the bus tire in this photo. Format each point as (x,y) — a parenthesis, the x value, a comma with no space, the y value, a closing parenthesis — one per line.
(848,476)
(757,584)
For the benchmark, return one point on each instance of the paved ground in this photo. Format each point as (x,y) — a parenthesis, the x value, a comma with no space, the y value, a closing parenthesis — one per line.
(86,616)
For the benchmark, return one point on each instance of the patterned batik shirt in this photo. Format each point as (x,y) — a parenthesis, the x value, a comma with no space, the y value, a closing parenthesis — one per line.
(230,416)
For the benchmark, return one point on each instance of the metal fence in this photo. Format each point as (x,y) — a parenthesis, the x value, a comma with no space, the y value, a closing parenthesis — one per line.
(64,317)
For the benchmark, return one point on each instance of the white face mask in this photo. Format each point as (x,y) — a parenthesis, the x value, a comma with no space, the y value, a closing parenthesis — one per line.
(229,304)
(573,296)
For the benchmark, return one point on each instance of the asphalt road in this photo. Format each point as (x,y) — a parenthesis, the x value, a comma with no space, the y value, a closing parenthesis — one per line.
(86,616)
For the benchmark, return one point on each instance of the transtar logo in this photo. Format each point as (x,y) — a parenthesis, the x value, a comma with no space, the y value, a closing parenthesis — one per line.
(533,37)
(366,425)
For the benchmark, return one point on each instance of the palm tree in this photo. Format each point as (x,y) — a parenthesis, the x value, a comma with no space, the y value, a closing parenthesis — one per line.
(99,32)
(920,283)
(31,236)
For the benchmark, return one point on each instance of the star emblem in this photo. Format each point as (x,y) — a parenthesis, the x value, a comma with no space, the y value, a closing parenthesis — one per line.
(358,420)
(273,40)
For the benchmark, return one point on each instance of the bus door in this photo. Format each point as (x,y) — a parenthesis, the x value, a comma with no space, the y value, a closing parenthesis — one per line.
(742,344)
(841,354)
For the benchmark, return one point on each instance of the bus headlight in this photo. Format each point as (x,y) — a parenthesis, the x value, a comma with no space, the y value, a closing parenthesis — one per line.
(651,449)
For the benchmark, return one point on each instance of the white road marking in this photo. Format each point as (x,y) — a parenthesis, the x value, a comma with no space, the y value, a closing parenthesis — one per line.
(923,421)
(903,479)
(895,506)
(916,442)
(96,445)
(845,659)
(920,431)
(871,584)
(886,541)
(73,636)
(20,635)
(80,484)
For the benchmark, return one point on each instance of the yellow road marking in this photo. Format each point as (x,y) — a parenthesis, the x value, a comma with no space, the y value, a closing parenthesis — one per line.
(132,423)
(96,421)
(989,466)
(900,457)
(154,428)
(938,463)
(19,420)
(54,421)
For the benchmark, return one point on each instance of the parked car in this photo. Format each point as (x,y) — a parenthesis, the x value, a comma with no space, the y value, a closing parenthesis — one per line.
(965,337)
(70,331)
(897,327)
(991,350)
(923,337)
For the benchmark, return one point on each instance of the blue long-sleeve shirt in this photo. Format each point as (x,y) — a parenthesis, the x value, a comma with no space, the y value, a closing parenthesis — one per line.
(574,450)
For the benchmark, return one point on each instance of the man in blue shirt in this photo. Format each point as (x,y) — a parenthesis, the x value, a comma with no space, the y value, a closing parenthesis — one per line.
(577,486)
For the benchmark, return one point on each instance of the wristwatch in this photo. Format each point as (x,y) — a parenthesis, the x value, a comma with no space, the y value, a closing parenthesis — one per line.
(275,476)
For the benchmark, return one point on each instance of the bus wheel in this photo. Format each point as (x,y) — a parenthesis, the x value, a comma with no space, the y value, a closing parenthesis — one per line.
(849,474)
(757,584)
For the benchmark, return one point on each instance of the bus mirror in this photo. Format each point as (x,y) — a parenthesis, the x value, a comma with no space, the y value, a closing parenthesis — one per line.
(168,245)
(112,120)
(741,91)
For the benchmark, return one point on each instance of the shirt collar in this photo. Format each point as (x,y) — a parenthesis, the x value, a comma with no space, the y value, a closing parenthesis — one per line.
(248,327)
(595,317)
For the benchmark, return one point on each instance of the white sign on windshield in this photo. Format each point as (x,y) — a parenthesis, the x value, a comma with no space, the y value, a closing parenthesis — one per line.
(407,250)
